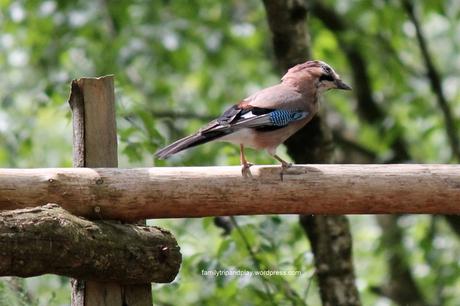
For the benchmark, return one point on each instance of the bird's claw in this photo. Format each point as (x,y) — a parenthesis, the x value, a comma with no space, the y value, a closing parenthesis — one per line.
(284,167)
(245,171)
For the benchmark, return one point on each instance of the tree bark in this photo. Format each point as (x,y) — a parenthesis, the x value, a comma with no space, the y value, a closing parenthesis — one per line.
(170,192)
(48,239)
(335,274)
(288,24)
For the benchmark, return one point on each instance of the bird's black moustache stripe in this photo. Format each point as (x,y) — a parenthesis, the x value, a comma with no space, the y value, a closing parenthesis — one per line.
(326,77)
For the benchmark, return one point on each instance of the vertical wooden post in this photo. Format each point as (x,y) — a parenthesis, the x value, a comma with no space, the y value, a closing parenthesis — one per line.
(92,101)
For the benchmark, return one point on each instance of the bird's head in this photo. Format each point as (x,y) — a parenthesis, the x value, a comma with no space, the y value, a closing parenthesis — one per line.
(317,73)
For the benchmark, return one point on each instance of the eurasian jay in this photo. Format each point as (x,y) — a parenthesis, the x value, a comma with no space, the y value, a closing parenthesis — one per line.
(267,118)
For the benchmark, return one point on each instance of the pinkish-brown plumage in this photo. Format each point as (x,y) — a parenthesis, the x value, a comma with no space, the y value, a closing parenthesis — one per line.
(267,118)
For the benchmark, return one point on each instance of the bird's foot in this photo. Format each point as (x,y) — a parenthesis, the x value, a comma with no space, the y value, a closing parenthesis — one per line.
(284,167)
(245,171)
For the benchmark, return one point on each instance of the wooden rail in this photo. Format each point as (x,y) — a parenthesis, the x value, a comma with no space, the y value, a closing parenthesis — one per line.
(163,192)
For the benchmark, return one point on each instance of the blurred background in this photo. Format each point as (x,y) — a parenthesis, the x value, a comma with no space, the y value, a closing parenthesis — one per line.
(178,64)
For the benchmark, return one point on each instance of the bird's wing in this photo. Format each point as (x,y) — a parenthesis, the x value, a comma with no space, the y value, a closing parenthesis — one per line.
(234,119)
(270,109)
(245,116)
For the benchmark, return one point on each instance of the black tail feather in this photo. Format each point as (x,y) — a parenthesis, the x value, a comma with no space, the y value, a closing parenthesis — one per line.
(188,142)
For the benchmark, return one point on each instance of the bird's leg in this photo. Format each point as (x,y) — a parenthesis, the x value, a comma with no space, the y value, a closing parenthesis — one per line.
(284,165)
(245,164)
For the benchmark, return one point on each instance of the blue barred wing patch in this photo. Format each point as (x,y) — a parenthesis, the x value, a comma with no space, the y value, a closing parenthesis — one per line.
(282,117)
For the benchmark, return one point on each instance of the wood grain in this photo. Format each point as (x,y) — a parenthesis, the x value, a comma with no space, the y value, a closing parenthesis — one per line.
(133,194)
(100,123)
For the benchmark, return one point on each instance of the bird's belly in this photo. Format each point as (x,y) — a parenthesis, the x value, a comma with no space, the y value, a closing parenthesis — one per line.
(262,139)
(271,139)
(246,137)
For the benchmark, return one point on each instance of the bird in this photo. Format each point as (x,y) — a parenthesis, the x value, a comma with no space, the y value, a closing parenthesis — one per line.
(267,118)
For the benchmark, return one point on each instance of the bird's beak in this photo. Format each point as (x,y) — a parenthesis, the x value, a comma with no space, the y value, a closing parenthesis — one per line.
(341,85)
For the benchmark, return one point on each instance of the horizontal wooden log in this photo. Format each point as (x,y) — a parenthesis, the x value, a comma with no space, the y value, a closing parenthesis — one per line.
(161,192)
(48,239)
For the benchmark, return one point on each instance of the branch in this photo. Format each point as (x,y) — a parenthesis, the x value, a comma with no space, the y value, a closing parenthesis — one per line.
(335,261)
(351,146)
(435,81)
(454,223)
(17,285)
(290,293)
(178,115)
(368,108)
(268,294)
(436,86)
(48,239)
(402,288)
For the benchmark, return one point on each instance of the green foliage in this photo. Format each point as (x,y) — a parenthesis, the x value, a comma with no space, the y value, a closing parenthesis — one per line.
(178,64)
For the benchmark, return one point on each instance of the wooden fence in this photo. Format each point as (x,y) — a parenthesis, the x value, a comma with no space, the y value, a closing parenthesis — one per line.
(113,263)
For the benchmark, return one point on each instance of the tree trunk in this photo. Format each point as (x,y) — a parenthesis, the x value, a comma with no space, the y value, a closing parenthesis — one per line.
(287,21)
(400,285)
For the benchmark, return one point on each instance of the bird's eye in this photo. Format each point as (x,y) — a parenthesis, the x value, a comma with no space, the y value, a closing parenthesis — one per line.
(326,77)
(327,69)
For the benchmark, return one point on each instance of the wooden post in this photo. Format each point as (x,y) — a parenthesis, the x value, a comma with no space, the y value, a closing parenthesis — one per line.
(92,101)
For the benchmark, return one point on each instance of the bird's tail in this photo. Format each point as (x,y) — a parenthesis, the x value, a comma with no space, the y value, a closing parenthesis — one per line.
(188,142)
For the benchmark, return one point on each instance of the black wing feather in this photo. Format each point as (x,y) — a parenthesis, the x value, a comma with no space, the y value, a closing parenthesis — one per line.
(234,113)
(231,120)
